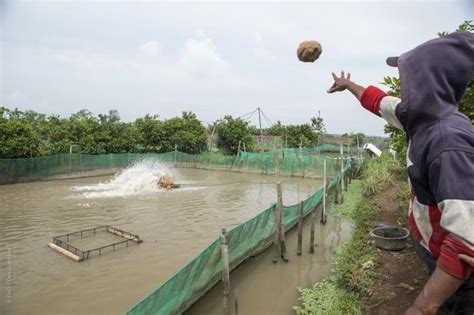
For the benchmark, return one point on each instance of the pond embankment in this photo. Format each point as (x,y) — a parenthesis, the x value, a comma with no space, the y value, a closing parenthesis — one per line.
(367,280)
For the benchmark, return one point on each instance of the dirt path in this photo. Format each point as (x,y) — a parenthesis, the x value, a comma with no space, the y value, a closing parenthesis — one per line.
(401,274)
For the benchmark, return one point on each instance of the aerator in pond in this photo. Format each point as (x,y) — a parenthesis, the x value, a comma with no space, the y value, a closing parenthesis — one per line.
(167,183)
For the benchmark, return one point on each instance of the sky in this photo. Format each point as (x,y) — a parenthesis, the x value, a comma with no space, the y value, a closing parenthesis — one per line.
(211,58)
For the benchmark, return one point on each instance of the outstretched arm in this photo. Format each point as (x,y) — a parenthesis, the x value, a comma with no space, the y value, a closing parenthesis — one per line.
(342,83)
(373,99)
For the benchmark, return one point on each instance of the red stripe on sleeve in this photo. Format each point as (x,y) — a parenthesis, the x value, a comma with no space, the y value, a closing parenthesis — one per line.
(371,98)
(448,259)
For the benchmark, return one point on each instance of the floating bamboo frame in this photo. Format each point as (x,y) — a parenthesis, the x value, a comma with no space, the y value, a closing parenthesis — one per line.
(62,245)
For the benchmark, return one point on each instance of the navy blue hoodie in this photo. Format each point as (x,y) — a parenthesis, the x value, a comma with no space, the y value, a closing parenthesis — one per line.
(433,78)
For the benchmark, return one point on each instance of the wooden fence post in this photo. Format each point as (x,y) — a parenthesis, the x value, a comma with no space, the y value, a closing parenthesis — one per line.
(300,228)
(342,166)
(323,213)
(225,270)
(281,227)
(336,196)
(311,235)
(276,237)
(279,215)
(276,160)
(236,302)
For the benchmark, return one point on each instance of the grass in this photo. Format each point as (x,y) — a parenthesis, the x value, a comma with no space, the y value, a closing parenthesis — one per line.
(352,197)
(355,261)
(378,173)
(402,198)
(326,297)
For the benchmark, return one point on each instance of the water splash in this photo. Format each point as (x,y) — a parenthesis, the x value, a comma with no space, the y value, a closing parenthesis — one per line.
(138,179)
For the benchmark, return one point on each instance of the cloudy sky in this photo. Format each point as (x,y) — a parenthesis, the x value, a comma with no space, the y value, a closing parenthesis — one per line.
(213,58)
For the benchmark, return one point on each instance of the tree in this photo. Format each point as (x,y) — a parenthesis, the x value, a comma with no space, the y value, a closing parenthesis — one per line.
(187,132)
(87,132)
(317,123)
(466,105)
(150,130)
(358,139)
(56,136)
(17,136)
(230,131)
(118,136)
(301,134)
(278,130)
(254,131)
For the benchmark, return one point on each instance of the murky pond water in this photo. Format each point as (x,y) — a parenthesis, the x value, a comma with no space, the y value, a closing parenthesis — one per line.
(264,287)
(175,226)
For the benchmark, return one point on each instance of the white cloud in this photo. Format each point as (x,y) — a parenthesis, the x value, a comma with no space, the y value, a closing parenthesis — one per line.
(200,57)
(150,48)
(260,49)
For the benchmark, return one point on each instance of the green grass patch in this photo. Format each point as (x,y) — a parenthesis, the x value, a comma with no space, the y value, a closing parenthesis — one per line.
(355,261)
(352,197)
(326,297)
(403,195)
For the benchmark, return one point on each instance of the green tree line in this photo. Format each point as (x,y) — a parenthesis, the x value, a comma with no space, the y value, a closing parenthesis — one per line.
(28,133)
(32,134)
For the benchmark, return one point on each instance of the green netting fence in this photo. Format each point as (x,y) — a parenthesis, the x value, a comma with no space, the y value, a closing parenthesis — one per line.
(204,271)
(306,162)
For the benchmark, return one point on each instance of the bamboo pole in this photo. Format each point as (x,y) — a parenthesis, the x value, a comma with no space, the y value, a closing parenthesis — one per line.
(300,228)
(323,213)
(341,188)
(276,209)
(276,160)
(311,235)
(225,270)
(65,252)
(279,207)
(281,227)
(122,234)
(238,148)
(336,196)
(352,168)
(342,165)
(261,130)
(236,302)
(276,237)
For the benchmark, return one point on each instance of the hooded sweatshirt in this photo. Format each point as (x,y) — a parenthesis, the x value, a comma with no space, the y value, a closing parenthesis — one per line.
(440,159)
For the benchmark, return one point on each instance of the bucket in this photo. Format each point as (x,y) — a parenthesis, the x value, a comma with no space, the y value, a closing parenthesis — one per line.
(390,237)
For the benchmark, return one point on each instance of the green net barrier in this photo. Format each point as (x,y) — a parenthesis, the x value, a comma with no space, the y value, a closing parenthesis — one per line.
(307,162)
(204,271)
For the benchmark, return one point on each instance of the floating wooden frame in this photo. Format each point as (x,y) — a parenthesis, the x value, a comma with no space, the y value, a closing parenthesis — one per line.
(62,245)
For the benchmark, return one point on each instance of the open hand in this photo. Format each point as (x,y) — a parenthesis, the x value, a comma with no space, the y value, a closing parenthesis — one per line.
(341,83)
